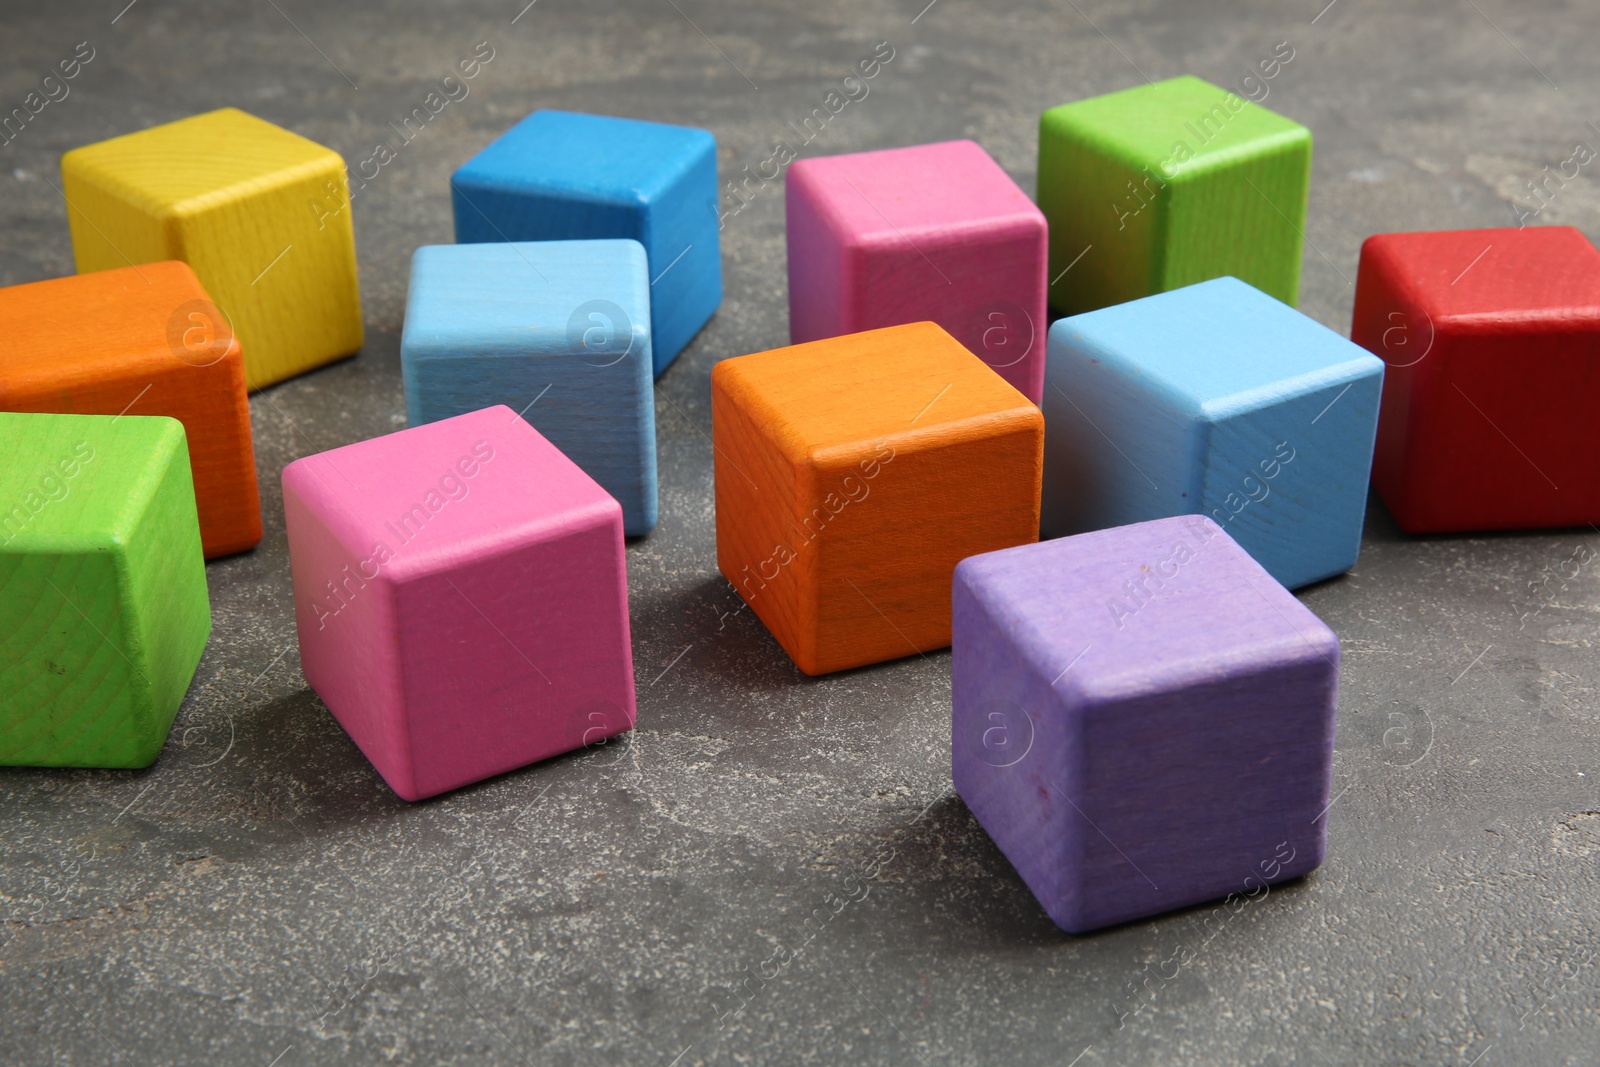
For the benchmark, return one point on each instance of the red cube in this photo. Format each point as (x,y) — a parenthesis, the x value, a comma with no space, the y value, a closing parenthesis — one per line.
(1492,345)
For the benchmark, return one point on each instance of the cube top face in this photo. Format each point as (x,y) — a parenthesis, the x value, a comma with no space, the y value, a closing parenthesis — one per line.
(939,191)
(1142,126)
(93,490)
(1219,347)
(1142,719)
(906,383)
(189,165)
(148,318)
(480,480)
(1158,605)
(1540,277)
(587,299)
(596,157)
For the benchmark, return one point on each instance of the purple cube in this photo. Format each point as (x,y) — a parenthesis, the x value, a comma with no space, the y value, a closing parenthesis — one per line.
(1143,719)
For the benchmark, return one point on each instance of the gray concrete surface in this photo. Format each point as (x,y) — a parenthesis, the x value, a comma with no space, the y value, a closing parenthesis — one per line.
(260,897)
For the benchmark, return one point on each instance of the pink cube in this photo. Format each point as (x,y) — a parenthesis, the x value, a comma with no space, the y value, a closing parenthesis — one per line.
(935,232)
(461,599)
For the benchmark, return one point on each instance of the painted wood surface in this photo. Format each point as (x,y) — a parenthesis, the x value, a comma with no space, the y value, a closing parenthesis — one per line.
(557,330)
(936,233)
(103,605)
(1164,185)
(260,213)
(852,474)
(141,341)
(1492,341)
(557,175)
(1213,399)
(1142,719)
(461,599)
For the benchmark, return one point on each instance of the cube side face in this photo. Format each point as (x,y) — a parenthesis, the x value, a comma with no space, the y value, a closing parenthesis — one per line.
(1099,202)
(1119,447)
(984,285)
(345,619)
(167,592)
(141,341)
(1288,478)
(283,272)
(495,679)
(1388,321)
(1211,789)
(886,547)
(601,417)
(71,697)
(1243,218)
(816,258)
(683,239)
(757,513)
(1011,744)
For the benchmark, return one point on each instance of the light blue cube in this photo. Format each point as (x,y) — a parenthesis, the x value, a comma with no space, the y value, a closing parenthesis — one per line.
(556,330)
(1213,399)
(557,175)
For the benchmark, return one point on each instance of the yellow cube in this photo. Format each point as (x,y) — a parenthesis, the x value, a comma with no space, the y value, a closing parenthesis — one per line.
(259,213)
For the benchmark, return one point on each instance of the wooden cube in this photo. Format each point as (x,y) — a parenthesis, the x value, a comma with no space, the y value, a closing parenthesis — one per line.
(260,213)
(558,330)
(1492,341)
(1164,185)
(853,474)
(1213,399)
(141,341)
(103,605)
(461,599)
(1142,719)
(557,175)
(934,233)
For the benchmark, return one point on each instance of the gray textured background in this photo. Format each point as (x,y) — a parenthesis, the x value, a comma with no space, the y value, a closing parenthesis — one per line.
(260,897)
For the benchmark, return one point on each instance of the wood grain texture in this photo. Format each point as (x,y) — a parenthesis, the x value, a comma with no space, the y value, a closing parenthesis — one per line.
(558,330)
(557,175)
(141,341)
(1213,399)
(936,233)
(103,604)
(852,474)
(1142,719)
(461,599)
(261,214)
(1164,185)
(1492,341)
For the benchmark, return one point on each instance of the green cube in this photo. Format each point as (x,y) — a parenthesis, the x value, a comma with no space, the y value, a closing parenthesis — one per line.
(1165,185)
(103,605)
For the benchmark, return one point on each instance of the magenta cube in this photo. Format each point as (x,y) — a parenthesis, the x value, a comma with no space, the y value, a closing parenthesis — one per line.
(461,599)
(1143,719)
(932,233)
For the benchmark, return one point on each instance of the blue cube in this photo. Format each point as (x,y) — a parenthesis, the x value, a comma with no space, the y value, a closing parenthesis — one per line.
(1213,399)
(558,176)
(558,331)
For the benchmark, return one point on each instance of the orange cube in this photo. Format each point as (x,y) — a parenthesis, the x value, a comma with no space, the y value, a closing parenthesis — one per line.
(143,340)
(854,473)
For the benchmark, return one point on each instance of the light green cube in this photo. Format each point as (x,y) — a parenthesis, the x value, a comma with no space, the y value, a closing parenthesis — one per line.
(1165,185)
(103,605)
